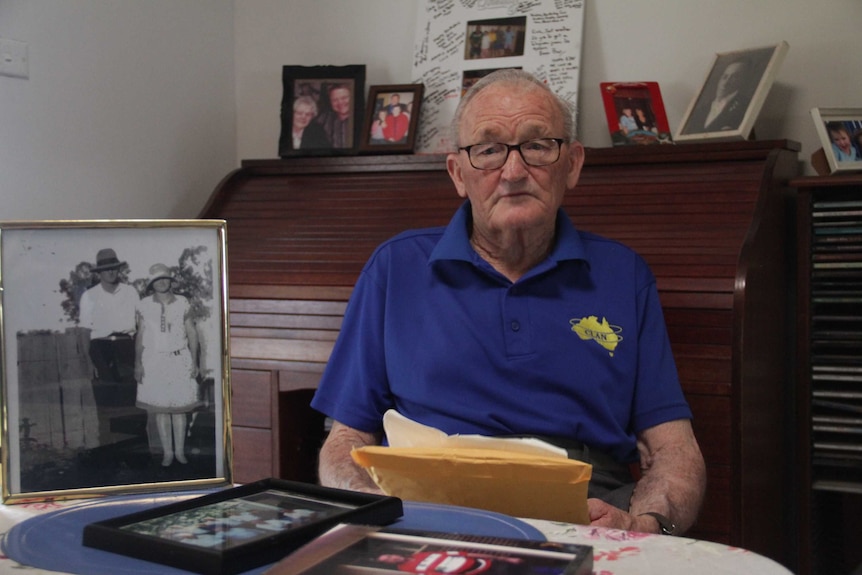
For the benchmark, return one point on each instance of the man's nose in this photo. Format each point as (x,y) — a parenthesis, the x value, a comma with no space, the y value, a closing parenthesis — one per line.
(515,167)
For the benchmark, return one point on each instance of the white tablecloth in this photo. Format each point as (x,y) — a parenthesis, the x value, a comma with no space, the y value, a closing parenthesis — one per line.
(616,552)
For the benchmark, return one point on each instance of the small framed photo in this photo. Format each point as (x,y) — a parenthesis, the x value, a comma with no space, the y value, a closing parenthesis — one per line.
(840,132)
(732,95)
(321,110)
(114,357)
(635,113)
(391,118)
(238,529)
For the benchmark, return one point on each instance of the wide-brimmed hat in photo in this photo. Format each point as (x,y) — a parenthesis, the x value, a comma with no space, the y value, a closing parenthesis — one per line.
(107,259)
(158,272)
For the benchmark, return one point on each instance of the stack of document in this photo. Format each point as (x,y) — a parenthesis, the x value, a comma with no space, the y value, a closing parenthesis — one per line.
(522,477)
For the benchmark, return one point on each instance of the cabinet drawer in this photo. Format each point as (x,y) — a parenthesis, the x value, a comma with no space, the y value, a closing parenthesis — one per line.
(251,398)
(252,454)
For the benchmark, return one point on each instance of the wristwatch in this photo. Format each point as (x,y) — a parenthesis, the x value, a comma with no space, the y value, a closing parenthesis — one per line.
(666,526)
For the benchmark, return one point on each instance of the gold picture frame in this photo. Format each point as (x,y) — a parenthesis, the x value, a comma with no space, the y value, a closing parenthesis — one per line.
(92,356)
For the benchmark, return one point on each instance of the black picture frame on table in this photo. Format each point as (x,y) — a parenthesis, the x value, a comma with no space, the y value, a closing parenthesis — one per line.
(81,417)
(392,118)
(238,529)
(325,104)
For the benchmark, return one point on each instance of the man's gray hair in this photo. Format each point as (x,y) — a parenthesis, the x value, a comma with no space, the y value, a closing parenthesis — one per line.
(517,79)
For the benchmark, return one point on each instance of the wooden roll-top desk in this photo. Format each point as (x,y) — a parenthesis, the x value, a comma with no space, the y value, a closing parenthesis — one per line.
(712,220)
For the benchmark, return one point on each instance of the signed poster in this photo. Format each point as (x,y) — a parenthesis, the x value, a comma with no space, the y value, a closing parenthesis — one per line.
(459,41)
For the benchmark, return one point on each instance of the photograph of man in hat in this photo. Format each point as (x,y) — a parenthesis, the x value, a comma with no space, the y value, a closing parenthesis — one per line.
(108,311)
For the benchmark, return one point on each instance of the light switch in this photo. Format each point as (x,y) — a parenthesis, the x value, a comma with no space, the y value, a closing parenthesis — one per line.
(13,59)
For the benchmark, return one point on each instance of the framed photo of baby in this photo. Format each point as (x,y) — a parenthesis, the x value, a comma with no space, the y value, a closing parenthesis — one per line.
(114,372)
(840,133)
(391,118)
(321,110)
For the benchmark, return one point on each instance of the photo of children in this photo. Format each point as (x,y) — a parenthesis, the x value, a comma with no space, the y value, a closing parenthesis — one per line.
(495,38)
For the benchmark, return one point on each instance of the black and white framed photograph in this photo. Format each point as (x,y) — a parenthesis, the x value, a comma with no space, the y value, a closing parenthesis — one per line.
(114,347)
(732,95)
(391,118)
(238,529)
(321,110)
(840,133)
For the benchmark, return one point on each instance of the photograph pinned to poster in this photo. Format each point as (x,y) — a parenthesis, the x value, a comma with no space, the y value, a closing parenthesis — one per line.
(321,110)
(391,118)
(840,133)
(455,43)
(97,317)
(635,113)
(732,95)
(238,529)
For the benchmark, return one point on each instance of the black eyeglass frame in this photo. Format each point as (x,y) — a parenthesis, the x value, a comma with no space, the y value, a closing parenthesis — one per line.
(510,147)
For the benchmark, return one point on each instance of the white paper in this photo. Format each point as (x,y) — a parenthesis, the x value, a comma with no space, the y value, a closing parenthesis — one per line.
(404,432)
(549,46)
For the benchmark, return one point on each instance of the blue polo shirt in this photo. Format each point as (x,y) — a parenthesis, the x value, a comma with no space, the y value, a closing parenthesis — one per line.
(577,348)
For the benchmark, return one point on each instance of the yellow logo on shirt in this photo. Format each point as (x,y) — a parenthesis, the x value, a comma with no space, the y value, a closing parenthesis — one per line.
(606,335)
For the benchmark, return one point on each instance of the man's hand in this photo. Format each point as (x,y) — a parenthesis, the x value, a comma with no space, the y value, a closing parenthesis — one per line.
(606,515)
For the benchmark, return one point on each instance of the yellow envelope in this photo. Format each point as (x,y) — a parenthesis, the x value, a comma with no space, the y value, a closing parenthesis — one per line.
(510,482)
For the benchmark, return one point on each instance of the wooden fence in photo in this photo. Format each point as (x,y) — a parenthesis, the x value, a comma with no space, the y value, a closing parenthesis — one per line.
(56,406)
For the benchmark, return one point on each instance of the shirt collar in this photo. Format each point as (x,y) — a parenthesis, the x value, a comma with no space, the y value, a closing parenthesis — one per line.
(455,242)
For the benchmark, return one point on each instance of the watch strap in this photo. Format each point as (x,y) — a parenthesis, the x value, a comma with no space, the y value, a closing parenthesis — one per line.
(666,526)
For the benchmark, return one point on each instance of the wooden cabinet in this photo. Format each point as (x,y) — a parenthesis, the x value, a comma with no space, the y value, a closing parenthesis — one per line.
(829,329)
(712,220)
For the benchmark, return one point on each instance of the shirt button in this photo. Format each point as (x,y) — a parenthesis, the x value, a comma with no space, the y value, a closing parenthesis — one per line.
(516,326)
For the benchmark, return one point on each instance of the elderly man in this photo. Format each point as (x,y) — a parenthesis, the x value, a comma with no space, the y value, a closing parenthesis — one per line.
(509,321)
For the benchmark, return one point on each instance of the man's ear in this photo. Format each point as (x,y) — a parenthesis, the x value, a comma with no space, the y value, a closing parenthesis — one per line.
(576,163)
(453,165)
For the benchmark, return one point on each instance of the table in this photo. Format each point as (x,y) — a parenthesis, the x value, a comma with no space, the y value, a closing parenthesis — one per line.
(616,552)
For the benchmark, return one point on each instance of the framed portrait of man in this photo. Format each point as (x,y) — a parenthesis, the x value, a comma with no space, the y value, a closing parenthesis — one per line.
(732,95)
(321,110)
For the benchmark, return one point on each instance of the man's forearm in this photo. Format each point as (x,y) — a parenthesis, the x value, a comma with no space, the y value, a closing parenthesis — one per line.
(337,468)
(673,482)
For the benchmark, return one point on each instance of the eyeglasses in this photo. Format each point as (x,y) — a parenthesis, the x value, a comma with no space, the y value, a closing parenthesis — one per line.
(491,156)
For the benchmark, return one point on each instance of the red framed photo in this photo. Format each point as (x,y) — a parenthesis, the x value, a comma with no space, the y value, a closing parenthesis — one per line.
(635,113)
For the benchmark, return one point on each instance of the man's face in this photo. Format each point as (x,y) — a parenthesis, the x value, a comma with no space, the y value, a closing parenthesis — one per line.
(339,98)
(110,277)
(515,196)
(731,79)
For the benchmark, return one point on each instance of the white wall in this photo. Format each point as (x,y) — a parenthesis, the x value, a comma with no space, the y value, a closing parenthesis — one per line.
(672,42)
(129,111)
(137,109)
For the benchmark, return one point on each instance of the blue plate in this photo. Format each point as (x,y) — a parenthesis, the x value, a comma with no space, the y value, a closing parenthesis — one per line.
(52,541)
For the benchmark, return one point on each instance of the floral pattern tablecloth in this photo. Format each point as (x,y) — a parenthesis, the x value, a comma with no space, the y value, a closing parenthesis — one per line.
(615,552)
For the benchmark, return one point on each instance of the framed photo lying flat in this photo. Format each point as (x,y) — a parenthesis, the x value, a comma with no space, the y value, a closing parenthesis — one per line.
(238,529)
(365,549)
(114,357)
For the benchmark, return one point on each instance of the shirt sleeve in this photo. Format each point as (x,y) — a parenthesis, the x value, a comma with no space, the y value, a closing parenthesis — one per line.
(354,389)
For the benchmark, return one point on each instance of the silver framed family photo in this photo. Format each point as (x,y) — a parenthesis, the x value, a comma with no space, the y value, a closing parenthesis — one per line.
(114,357)
(732,95)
